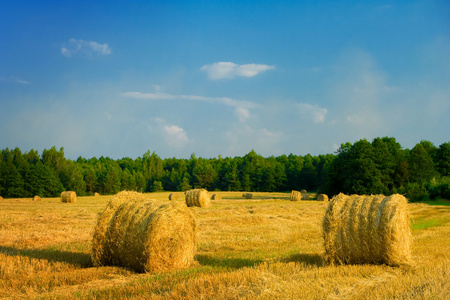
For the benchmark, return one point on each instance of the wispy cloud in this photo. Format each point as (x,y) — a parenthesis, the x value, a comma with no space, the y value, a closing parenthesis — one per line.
(313,112)
(13,79)
(228,70)
(84,48)
(241,108)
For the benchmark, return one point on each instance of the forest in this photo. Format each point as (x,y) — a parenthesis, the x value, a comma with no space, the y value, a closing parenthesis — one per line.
(381,166)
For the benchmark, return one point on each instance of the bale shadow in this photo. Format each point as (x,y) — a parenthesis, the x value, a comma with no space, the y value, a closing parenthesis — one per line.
(306,258)
(82,260)
(233,263)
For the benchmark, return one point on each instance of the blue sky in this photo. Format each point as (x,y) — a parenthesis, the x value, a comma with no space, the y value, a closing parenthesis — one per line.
(118,78)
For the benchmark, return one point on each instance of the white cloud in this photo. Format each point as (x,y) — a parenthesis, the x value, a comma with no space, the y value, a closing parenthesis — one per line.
(228,70)
(242,108)
(313,112)
(14,79)
(84,48)
(175,136)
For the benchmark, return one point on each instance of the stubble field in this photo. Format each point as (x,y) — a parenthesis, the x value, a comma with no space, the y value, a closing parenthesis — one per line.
(264,248)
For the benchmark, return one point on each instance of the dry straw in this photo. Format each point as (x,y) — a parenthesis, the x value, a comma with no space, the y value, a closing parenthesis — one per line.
(367,229)
(322,197)
(305,196)
(96,194)
(1,198)
(216,197)
(198,197)
(247,195)
(144,234)
(69,197)
(173,196)
(36,198)
(303,191)
(296,195)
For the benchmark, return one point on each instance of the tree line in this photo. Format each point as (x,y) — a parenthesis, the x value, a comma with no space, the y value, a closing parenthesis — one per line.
(380,166)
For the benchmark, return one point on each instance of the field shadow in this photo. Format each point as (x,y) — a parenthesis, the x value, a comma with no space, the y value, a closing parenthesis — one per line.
(82,260)
(233,263)
(306,258)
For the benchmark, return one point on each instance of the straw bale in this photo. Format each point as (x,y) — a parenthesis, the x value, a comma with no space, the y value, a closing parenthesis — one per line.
(296,195)
(247,195)
(144,235)
(1,198)
(96,194)
(173,196)
(322,197)
(303,191)
(198,197)
(69,197)
(372,229)
(305,196)
(36,198)
(216,197)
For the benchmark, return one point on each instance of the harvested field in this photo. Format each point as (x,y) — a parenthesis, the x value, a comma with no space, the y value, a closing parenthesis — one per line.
(261,248)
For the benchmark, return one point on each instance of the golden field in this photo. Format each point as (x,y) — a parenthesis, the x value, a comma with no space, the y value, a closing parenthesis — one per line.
(266,247)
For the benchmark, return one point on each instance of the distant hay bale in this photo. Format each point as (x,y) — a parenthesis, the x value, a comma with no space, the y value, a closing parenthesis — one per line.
(303,191)
(296,196)
(36,198)
(305,196)
(1,198)
(173,196)
(322,197)
(247,195)
(367,229)
(69,197)
(198,197)
(96,194)
(144,235)
(216,197)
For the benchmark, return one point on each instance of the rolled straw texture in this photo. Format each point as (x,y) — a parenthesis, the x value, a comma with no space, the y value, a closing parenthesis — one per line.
(247,195)
(173,196)
(198,197)
(296,195)
(322,197)
(216,197)
(36,198)
(144,234)
(69,197)
(372,229)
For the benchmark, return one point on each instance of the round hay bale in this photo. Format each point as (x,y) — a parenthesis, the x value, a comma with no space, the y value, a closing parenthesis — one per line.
(36,198)
(303,191)
(247,195)
(305,196)
(1,198)
(96,194)
(198,197)
(296,196)
(322,197)
(216,197)
(173,196)
(69,197)
(144,235)
(372,229)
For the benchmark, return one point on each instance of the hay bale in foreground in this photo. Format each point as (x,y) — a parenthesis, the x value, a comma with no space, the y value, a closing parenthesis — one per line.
(198,197)
(247,195)
(173,196)
(296,196)
(144,234)
(69,197)
(322,197)
(216,197)
(367,229)
(36,198)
